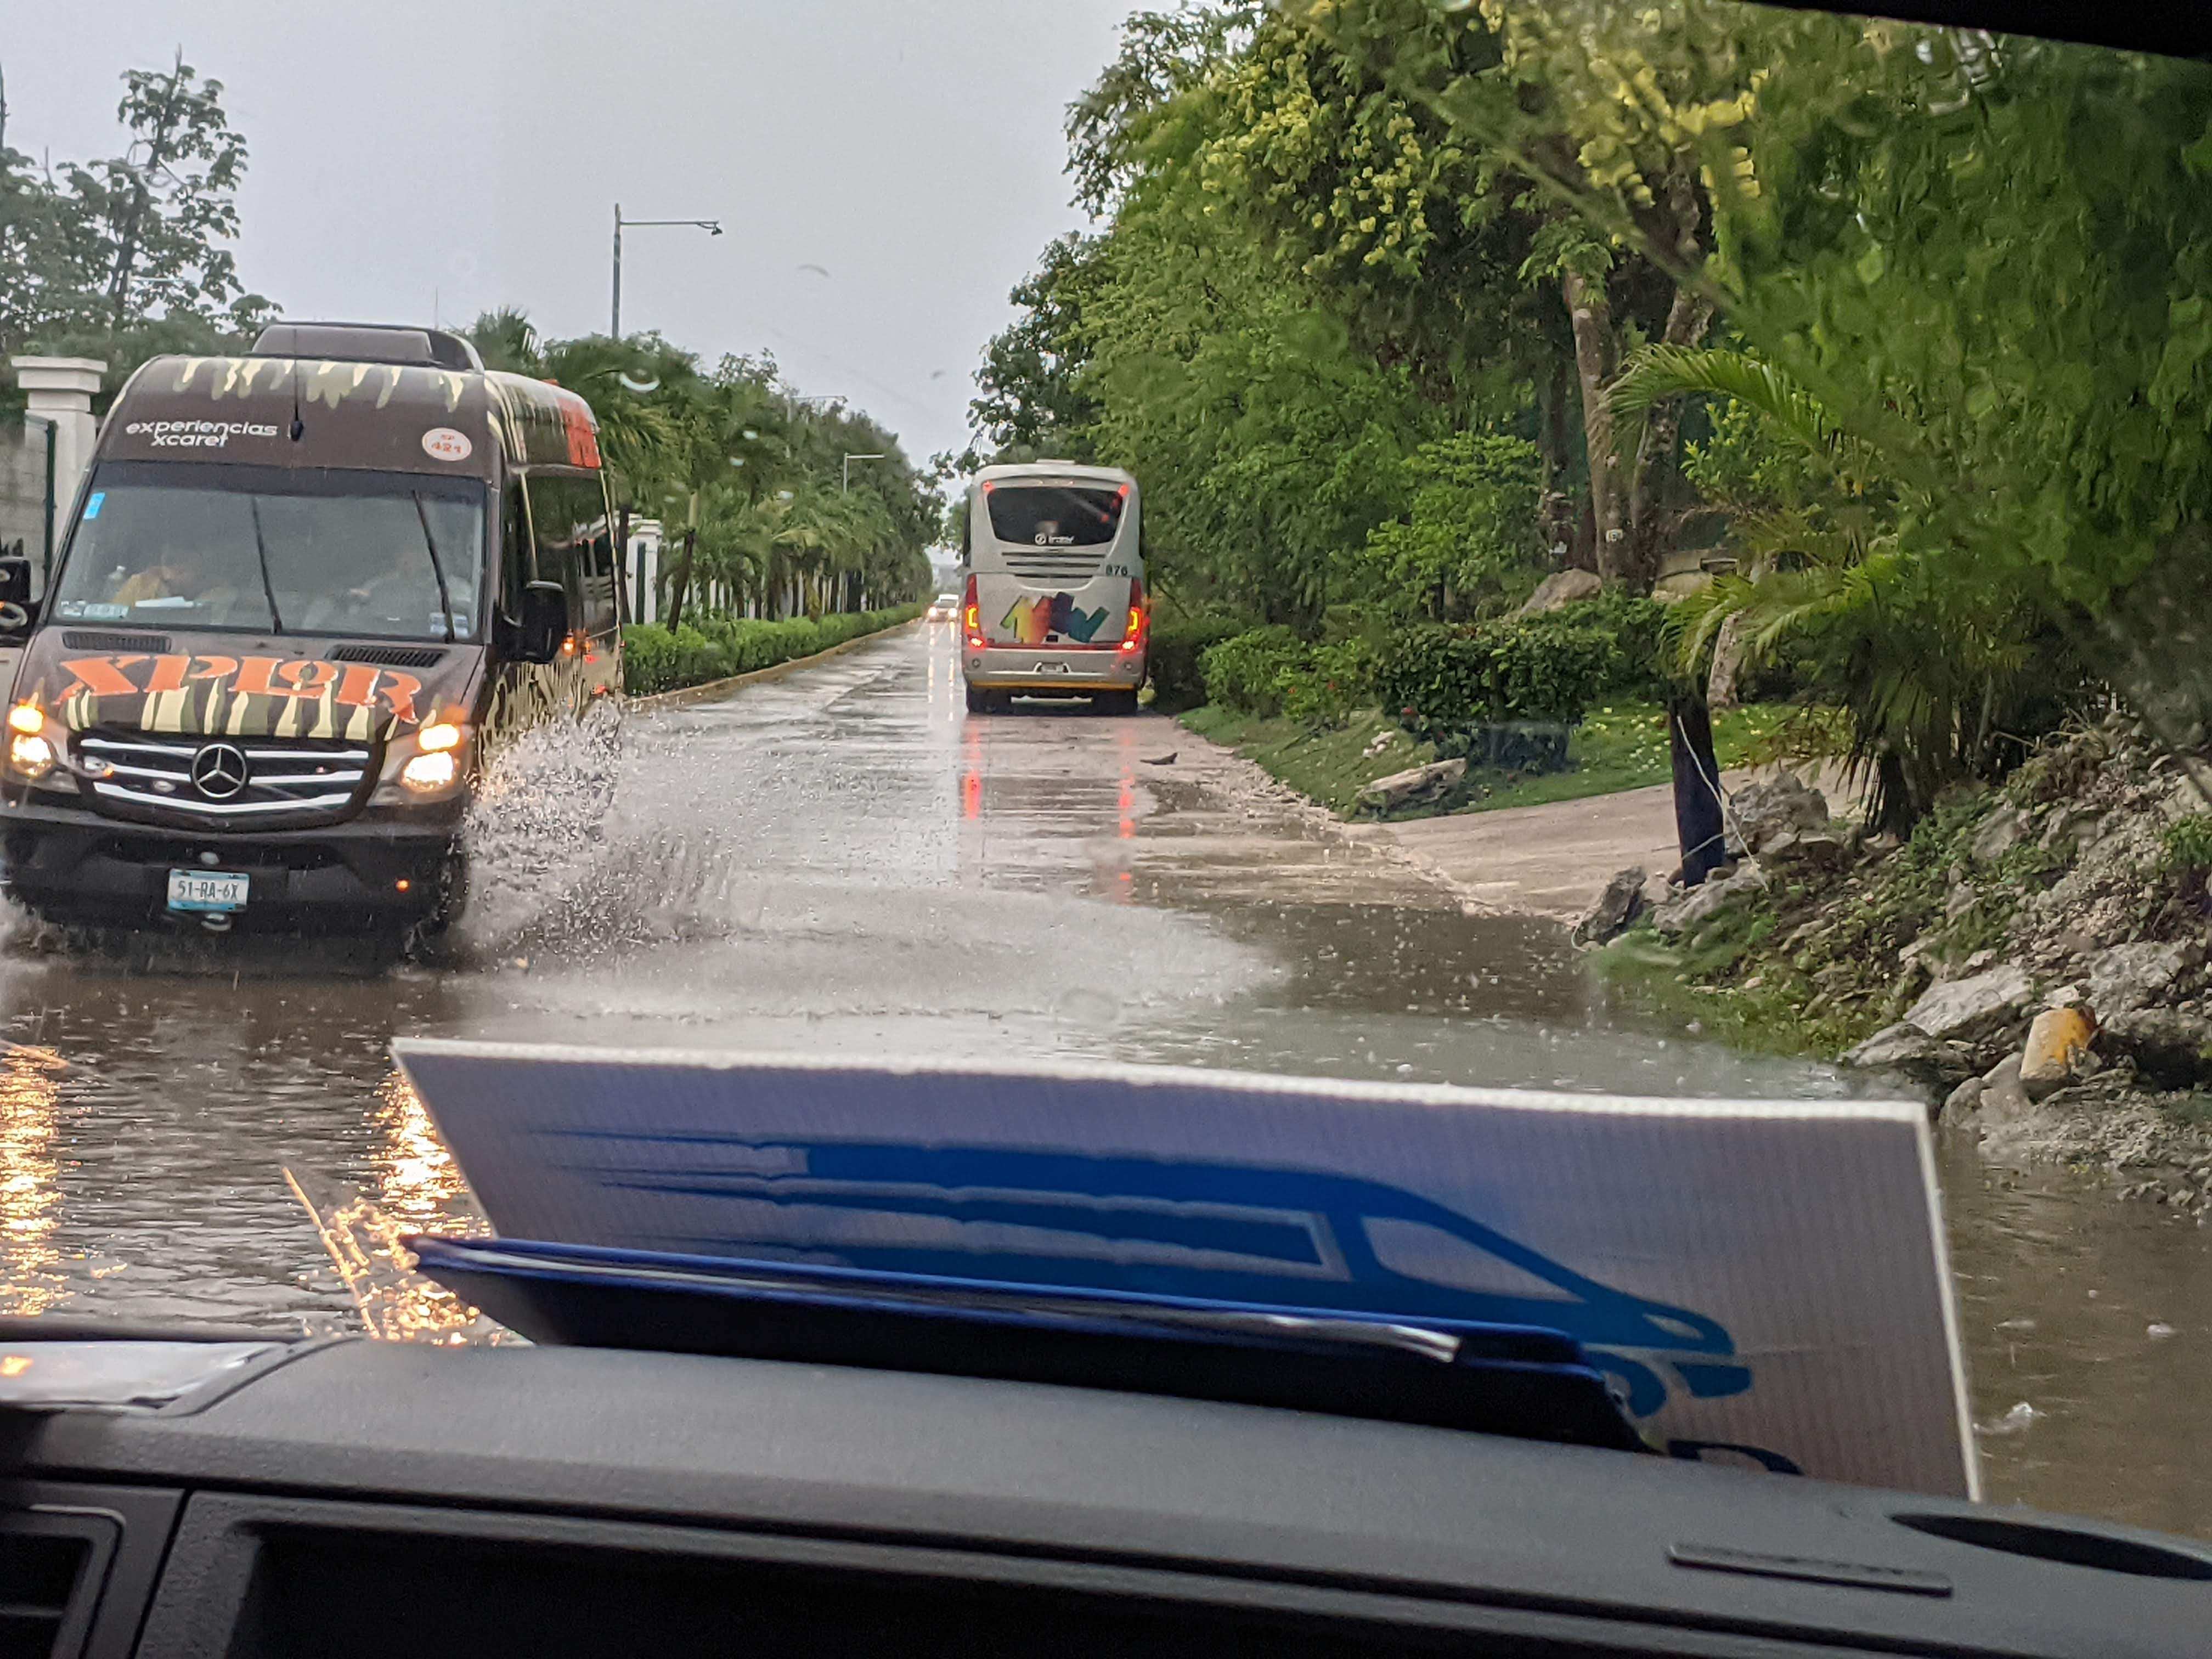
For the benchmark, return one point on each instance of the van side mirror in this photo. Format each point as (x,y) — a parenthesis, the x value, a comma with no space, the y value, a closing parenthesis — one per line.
(16,610)
(543,623)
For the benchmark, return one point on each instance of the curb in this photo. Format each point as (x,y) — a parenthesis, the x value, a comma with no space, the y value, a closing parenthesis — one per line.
(684,696)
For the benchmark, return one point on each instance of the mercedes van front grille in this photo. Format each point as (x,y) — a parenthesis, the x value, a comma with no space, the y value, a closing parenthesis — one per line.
(238,782)
(1059,567)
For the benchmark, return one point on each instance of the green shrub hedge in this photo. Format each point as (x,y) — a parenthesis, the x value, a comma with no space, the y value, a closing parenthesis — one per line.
(1331,682)
(1254,671)
(1442,682)
(1639,622)
(1171,659)
(1270,670)
(656,659)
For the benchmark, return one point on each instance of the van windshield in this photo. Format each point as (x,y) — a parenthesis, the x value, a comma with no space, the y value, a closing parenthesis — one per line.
(1055,515)
(389,556)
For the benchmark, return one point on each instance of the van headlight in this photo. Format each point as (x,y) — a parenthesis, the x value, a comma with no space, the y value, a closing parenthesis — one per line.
(34,746)
(29,755)
(427,773)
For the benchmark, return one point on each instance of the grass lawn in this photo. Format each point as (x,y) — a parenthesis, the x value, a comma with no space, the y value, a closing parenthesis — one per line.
(1622,746)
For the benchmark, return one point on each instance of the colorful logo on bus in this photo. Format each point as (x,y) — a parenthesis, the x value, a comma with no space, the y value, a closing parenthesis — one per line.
(1032,621)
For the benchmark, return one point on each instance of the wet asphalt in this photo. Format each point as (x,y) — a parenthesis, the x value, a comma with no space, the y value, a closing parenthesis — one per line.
(843,860)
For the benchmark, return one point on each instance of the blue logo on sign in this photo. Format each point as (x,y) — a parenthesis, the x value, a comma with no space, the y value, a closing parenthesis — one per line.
(1222,1232)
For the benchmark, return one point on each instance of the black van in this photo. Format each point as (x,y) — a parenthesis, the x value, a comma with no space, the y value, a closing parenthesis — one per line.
(306,595)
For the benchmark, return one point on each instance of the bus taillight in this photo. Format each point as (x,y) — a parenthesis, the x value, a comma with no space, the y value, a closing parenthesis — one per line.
(1132,637)
(971,614)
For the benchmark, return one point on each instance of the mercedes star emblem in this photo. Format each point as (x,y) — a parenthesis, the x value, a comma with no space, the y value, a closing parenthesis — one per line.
(218,770)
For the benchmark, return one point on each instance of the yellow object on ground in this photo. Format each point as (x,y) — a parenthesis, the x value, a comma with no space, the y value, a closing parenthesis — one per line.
(2056,1043)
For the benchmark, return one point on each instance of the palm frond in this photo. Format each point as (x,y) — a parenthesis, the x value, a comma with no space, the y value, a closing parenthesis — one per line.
(1658,372)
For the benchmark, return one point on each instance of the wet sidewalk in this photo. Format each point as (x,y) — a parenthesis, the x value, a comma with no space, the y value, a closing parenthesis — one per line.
(1551,860)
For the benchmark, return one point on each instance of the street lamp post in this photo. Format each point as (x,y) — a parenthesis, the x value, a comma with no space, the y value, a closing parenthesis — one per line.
(849,459)
(712,226)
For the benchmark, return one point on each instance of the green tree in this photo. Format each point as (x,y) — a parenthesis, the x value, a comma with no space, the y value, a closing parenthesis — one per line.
(1031,403)
(125,257)
(1988,265)
(1469,541)
(737,474)
(1269,444)
(1329,136)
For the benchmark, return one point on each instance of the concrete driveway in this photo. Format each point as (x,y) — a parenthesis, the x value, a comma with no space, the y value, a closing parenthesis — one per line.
(1551,860)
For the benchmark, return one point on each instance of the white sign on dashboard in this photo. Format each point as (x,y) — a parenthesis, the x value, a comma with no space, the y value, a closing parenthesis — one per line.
(1766,1280)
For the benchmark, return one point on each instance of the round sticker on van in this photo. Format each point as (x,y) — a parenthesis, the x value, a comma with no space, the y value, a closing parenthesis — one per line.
(442,443)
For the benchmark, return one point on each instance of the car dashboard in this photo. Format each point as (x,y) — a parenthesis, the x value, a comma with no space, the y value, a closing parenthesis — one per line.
(349,1497)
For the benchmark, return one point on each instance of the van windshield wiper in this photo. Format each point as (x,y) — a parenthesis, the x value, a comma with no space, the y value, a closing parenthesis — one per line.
(1497,1379)
(437,567)
(261,556)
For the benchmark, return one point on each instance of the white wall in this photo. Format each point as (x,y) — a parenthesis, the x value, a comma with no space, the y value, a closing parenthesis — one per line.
(23,491)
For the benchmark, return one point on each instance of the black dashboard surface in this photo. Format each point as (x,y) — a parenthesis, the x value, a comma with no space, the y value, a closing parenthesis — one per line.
(1219,1504)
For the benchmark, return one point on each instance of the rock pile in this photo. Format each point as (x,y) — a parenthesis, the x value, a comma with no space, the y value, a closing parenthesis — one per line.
(2100,961)
(1786,820)
(1783,825)
(1615,909)
(2037,957)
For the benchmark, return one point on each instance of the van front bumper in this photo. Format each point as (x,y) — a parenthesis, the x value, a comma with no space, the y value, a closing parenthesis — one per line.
(1043,672)
(68,865)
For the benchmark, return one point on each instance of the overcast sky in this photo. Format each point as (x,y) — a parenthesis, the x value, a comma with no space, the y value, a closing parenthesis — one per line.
(468,154)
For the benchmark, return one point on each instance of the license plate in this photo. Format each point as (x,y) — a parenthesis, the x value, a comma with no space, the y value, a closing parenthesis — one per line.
(206,891)
(1054,668)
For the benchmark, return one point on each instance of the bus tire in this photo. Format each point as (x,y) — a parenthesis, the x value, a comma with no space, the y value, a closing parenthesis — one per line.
(1115,702)
(984,702)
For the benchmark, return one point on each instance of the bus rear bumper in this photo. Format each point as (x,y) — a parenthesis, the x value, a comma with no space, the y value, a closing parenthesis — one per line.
(1043,672)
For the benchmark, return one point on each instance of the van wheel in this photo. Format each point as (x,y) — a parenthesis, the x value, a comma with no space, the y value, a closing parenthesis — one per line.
(985,703)
(430,941)
(1115,702)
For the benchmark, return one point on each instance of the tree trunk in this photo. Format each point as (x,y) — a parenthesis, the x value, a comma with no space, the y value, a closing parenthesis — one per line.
(1724,688)
(1652,528)
(1723,685)
(1893,810)
(1699,828)
(1590,309)
(681,580)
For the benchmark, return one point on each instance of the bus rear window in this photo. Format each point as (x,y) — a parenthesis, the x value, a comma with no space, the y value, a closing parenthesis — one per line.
(1055,515)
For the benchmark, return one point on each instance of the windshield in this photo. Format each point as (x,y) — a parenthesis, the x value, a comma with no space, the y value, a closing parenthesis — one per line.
(1605,550)
(1055,515)
(382,555)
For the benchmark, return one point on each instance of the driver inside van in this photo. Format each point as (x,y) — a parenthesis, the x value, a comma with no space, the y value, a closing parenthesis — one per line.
(402,584)
(397,581)
(183,576)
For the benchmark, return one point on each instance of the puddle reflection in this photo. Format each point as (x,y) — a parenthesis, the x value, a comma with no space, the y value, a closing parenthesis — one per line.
(30,1192)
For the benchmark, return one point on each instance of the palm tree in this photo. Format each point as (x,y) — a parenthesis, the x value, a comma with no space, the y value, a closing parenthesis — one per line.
(1930,658)
(507,340)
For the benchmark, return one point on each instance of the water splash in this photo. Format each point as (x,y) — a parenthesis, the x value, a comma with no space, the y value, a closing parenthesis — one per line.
(2012,1422)
(534,825)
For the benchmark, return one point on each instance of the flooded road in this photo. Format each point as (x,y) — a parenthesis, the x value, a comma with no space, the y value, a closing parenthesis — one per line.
(842,861)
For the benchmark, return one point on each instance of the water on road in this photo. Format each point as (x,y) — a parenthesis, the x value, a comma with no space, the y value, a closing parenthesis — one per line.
(842,861)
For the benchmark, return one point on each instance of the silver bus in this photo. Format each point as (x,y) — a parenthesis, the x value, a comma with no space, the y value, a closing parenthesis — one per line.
(1054,604)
